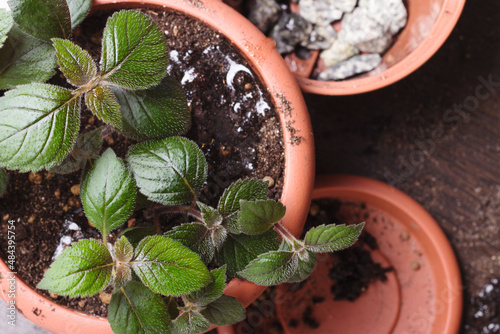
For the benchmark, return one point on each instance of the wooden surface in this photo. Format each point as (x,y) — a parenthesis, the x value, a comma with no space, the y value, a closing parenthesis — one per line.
(448,161)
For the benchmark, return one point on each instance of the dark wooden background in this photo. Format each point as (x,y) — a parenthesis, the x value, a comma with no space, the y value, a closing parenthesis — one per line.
(448,161)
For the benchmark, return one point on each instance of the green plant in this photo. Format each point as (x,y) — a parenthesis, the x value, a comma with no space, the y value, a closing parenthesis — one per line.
(161,283)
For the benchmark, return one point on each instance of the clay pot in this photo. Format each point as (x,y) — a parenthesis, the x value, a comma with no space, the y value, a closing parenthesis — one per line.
(423,294)
(430,22)
(299,158)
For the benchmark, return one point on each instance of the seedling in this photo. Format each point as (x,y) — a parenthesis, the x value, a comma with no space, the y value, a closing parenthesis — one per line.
(161,283)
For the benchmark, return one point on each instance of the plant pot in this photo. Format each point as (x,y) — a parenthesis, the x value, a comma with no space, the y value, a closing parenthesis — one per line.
(429,25)
(415,299)
(299,158)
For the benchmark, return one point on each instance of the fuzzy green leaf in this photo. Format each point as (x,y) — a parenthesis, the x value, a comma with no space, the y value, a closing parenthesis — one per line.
(6,23)
(271,268)
(212,291)
(306,262)
(196,237)
(136,233)
(134,51)
(229,203)
(75,63)
(259,216)
(331,238)
(81,270)
(190,322)
(158,112)
(108,193)
(78,10)
(170,171)
(134,309)
(4,181)
(42,19)
(239,250)
(87,146)
(38,126)
(124,251)
(25,59)
(167,267)
(103,103)
(211,217)
(224,311)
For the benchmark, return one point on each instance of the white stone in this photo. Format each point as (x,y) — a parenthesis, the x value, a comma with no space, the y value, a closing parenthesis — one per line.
(339,51)
(322,37)
(355,65)
(391,14)
(346,6)
(320,12)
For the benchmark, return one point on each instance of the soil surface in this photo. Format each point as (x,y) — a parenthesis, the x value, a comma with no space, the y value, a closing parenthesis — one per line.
(234,123)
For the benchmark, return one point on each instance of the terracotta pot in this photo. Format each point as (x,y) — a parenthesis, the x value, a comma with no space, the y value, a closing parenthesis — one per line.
(299,158)
(423,294)
(430,22)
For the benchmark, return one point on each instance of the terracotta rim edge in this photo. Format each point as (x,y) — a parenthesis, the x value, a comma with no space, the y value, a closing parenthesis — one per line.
(445,23)
(299,159)
(357,185)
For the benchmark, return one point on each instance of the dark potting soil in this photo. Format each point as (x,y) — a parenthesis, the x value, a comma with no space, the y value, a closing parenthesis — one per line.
(351,275)
(234,123)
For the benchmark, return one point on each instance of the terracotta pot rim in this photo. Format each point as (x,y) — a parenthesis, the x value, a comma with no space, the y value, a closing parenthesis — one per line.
(445,22)
(365,189)
(299,158)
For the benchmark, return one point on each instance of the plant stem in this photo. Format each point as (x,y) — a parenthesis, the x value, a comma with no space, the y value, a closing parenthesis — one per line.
(284,232)
(189,209)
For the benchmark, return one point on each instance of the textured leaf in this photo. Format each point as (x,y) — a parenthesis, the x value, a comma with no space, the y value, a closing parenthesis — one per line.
(247,189)
(38,126)
(81,270)
(136,233)
(259,216)
(103,103)
(331,238)
(224,311)
(158,112)
(196,237)
(134,51)
(25,59)
(108,193)
(229,203)
(212,291)
(170,171)
(4,180)
(190,323)
(78,10)
(239,250)
(271,268)
(75,63)
(6,23)
(124,251)
(167,267)
(306,262)
(87,146)
(211,217)
(134,309)
(42,19)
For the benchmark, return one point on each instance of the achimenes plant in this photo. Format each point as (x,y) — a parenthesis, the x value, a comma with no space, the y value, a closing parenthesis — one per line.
(243,236)
(39,123)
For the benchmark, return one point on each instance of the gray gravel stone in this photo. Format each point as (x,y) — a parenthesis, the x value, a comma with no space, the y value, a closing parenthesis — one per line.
(355,65)
(339,51)
(346,6)
(291,30)
(365,32)
(322,37)
(264,13)
(391,14)
(320,12)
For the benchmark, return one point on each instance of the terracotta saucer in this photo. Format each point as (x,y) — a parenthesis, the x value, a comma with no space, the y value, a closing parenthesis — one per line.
(423,294)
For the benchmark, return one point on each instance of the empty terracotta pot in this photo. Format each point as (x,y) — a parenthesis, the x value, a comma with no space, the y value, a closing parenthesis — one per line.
(430,22)
(299,156)
(423,294)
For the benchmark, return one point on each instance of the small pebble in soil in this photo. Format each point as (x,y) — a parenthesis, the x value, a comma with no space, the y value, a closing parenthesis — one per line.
(105,297)
(75,190)
(486,310)
(269,180)
(35,178)
(74,202)
(82,303)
